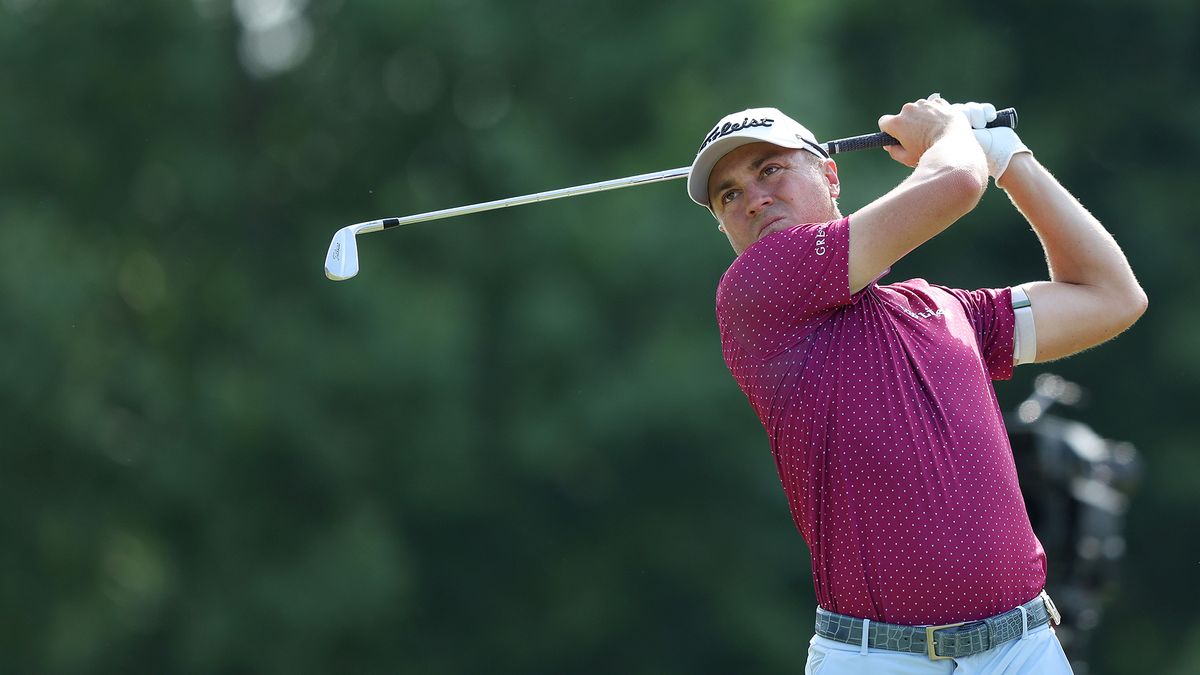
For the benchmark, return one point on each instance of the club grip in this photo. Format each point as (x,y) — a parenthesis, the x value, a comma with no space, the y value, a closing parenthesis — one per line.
(1004,118)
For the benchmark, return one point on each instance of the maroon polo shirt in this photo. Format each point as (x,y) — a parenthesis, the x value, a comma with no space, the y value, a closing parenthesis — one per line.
(885,429)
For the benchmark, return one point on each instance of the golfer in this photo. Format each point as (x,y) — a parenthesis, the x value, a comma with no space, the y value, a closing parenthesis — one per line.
(877,398)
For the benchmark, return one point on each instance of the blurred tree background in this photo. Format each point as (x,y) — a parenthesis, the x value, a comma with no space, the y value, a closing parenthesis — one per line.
(510,445)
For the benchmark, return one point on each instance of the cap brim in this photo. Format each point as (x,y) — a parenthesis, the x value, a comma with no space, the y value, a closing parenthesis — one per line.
(697,181)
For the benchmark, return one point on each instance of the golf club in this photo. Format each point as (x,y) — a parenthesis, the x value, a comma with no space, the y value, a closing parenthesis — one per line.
(341,262)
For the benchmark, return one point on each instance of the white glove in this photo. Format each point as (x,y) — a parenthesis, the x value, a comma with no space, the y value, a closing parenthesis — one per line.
(999,144)
(978,114)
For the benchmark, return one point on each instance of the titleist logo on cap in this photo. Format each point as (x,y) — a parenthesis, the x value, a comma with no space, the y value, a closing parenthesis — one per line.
(730,127)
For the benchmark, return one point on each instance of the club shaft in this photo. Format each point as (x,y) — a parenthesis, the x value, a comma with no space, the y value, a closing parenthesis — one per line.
(1006,118)
(670,174)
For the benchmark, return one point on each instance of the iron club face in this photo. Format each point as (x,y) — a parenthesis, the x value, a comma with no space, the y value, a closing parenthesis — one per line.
(341,262)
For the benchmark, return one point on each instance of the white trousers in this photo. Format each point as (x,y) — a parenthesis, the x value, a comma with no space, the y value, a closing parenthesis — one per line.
(1037,652)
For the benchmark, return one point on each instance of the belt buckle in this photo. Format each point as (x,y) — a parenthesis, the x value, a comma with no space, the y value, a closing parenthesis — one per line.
(1051,609)
(930,647)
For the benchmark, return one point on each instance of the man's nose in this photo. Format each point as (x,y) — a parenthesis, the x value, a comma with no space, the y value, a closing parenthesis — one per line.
(757,199)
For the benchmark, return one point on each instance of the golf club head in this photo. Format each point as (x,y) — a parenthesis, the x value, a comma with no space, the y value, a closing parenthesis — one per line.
(341,262)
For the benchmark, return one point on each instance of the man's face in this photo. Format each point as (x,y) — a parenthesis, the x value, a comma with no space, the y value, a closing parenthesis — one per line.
(762,188)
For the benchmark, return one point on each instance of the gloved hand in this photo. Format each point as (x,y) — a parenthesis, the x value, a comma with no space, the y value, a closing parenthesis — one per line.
(999,144)
(978,114)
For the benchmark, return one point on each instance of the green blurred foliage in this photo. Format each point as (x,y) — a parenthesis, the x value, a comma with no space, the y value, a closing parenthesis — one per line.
(510,445)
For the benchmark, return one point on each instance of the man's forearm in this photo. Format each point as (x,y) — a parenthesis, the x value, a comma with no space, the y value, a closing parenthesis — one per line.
(955,150)
(1078,248)
(948,179)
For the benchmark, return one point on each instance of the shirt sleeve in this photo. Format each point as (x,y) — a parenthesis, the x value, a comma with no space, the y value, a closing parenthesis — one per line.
(990,312)
(784,285)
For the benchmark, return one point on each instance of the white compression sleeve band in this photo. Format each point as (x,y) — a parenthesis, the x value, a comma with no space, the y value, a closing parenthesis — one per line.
(1024,337)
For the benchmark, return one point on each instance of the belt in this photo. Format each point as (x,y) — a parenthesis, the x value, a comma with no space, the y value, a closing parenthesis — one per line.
(948,641)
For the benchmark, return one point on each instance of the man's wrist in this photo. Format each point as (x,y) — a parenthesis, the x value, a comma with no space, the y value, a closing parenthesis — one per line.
(1018,165)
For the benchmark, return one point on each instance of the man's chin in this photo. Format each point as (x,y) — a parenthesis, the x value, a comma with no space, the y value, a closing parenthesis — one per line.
(778,226)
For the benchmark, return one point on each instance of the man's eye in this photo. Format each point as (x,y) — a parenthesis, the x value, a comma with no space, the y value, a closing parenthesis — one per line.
(728,196)
(770,170)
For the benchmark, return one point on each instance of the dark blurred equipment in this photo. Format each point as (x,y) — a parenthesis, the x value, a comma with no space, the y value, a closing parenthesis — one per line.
(1077,487)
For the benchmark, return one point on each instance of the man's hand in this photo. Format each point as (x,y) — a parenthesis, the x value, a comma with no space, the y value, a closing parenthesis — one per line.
(977,114)
(919,125)
(999,144)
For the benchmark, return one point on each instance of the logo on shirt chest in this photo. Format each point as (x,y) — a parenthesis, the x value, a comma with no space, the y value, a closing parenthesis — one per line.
(820,246)
(924,315)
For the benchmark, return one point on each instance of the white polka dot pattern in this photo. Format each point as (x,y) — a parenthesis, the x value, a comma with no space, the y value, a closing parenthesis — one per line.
(885,428)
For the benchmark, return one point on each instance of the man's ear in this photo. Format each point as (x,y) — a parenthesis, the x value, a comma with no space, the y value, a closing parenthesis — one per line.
(829,170)
(714,215)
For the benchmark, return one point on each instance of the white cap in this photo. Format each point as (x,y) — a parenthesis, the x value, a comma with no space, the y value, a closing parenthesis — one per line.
(748,126)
